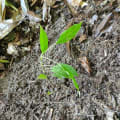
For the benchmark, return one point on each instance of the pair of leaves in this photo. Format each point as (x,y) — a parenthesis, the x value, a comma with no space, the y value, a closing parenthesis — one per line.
(65,71)
(66,36)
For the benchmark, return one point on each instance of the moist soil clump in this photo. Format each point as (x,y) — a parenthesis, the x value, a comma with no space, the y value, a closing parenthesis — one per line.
(24,97)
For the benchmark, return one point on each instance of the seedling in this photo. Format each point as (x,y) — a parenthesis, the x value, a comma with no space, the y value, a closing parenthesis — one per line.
(60,70)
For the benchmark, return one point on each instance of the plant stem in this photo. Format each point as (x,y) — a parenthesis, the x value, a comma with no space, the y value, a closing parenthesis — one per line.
(41,63)
(50,59)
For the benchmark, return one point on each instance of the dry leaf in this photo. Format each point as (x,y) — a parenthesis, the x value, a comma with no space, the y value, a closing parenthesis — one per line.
(68,43)
(33,17)
(33,2)
(11,50)
(24,6)
(85,64)
(2,9)
(102,25)
(2,75)
(7,26)
(68,47)
(46,8)
(82,38)
(74,2)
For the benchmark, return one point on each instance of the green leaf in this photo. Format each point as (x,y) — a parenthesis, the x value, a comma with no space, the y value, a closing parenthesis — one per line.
(69,34)
(64,71)
(49,93)
(43,40)
(75,83)
(42,76)
(9,4)
(4,61)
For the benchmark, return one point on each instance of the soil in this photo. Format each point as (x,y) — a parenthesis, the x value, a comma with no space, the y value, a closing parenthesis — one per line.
(24,97)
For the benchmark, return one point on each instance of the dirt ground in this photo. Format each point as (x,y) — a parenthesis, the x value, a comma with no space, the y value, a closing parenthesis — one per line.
(24,97)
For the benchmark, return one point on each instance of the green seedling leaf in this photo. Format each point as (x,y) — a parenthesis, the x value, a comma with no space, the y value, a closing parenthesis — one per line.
(42,76)
(49,93)
(75,83)
(4,61)
(43,40)
(9,4)
(64,71)
(69,34)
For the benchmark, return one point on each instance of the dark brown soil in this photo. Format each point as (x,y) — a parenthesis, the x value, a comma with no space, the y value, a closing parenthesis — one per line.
(26,98)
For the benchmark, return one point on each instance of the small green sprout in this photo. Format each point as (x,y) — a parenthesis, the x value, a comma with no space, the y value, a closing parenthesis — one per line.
(49,93)
(60,70)
(42,76)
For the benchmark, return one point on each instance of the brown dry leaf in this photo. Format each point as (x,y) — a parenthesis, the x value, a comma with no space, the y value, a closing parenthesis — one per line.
(33,2)
(75,2)
(68,43)
(82,38)
(50,2)
(68,47)
(2,75)
(102,25)
(33,17)
(8,25)
(85,64)
(46,8)
(24,6)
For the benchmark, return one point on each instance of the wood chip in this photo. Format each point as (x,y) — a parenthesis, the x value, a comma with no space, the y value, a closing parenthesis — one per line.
(85,64)
(102,25)
(82,38)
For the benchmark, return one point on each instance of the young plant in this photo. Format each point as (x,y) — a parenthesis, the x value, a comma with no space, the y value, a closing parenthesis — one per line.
(60,70)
